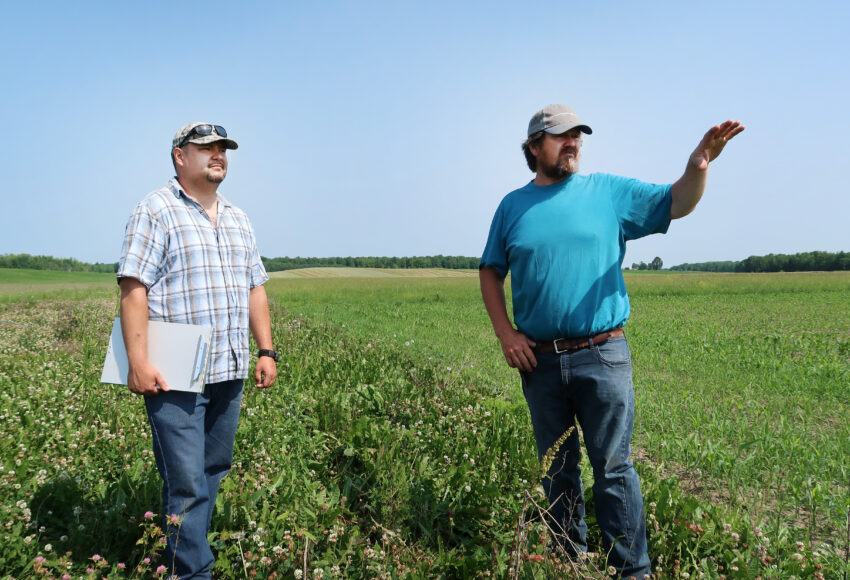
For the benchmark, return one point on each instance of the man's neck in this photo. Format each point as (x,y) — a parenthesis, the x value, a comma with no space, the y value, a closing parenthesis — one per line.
(543,180)
(205,193)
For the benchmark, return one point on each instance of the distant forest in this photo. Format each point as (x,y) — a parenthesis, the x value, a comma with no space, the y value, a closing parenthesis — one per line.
(25,261)
(448,262)
(803,262)
(272,264)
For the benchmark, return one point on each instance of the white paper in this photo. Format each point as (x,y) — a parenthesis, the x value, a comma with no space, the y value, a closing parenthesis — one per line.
(180,352)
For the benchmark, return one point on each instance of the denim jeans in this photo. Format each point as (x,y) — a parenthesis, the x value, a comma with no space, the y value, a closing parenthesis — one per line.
(594,385)
(193,445)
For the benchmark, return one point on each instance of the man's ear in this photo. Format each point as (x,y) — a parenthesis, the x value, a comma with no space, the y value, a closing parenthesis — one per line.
(178,156)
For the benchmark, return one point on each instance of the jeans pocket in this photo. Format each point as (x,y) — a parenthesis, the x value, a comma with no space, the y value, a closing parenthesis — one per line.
(614,352)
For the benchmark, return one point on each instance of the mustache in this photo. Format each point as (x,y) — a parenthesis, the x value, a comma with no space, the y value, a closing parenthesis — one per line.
(570,149)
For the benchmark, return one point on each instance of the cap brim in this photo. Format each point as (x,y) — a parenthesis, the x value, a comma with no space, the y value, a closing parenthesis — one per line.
(207,139)
(564,127)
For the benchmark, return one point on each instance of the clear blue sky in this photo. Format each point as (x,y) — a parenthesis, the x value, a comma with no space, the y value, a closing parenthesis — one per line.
(394,128)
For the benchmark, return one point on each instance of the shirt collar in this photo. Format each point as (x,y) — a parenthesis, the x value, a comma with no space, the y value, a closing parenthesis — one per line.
(178,192)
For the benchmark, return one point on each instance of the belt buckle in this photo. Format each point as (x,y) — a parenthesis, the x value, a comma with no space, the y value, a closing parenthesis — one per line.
(555,344)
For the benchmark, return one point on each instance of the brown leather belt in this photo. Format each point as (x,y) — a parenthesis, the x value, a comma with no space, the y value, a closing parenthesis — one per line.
(570,344)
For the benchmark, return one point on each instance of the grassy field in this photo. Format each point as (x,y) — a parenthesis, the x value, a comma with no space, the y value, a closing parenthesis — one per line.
(397,444)
(38,284)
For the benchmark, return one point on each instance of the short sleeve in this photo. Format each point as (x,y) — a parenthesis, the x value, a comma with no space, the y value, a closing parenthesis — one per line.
(495,251)
(144,249)
(258,270)
(641,208)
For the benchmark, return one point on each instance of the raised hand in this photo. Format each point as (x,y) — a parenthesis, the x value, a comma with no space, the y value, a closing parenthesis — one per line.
(713,143)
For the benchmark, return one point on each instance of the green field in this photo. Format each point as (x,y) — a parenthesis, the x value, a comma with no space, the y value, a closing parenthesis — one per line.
(397,443)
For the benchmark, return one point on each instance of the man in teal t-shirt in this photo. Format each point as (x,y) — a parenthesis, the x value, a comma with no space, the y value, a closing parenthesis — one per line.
(563,239)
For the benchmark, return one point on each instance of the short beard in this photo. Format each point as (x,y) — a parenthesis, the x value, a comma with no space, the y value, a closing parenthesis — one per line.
(215,177)
(560,170)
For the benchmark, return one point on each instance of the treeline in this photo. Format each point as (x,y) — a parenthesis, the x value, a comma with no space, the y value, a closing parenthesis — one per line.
(439,261)
(726,266)
(803,262)
(26,261)
(655,264)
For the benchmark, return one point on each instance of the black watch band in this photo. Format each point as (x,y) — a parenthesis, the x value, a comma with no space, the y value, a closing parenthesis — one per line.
(269,353)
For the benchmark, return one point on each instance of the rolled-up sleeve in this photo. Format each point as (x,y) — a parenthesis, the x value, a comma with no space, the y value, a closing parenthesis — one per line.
(144,248)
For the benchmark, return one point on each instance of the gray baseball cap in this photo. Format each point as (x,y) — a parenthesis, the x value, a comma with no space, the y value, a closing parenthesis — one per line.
(208,133)
(556,119)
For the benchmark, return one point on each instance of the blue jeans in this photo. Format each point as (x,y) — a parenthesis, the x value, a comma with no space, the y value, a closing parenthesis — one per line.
(593,384)
(193,445)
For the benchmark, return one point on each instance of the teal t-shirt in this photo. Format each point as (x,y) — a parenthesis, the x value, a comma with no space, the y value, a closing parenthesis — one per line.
(564,246)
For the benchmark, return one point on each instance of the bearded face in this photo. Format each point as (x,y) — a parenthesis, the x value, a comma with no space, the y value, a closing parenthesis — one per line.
(558,155)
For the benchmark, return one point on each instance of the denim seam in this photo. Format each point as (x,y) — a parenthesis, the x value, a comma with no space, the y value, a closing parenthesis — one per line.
(565,368)
(157,441)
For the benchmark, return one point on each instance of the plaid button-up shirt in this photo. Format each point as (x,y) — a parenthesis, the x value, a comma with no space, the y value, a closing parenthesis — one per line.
(196,273)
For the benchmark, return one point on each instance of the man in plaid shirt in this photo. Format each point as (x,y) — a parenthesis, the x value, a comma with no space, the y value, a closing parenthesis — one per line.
(189,256)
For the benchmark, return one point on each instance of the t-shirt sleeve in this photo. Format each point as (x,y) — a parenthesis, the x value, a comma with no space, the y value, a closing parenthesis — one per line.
(258,270)
(495,252)
(641,208)
(143,252)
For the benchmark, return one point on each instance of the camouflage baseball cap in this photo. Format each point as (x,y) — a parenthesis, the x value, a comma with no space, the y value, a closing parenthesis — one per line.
(208,133)
(556,119)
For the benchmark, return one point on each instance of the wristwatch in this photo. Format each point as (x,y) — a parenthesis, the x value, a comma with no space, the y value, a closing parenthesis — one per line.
(269,353)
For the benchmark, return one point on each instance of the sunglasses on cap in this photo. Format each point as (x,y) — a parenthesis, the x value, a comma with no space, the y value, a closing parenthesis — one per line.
(203,131)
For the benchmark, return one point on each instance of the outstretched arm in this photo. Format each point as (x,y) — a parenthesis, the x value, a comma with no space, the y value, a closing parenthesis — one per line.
(688,190)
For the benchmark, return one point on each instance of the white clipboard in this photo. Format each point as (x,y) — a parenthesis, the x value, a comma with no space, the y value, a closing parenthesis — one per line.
(180,352)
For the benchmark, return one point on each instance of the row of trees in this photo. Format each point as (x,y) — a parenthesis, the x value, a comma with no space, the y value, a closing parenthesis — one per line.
(726,266)
(655,264)
(26,261)
(806,261)
(802,262)
(439,261)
